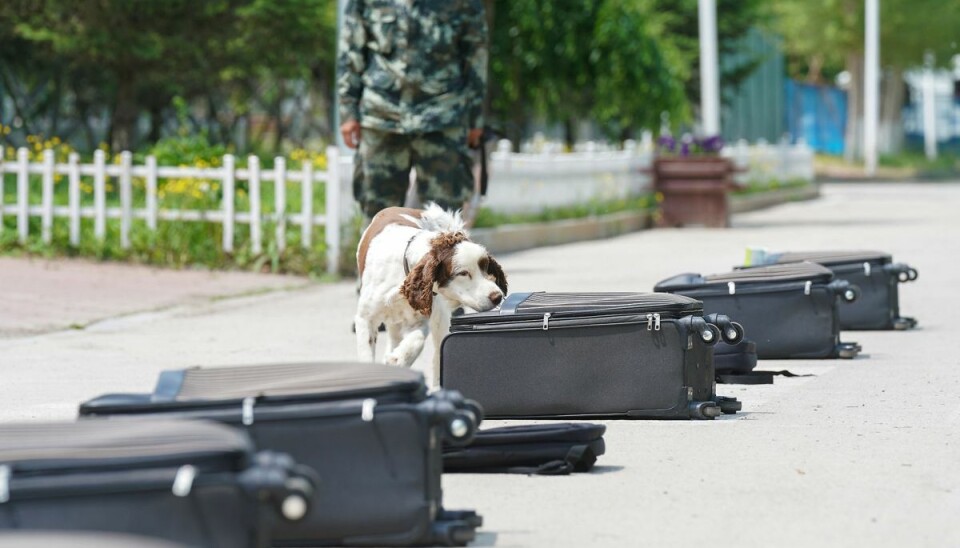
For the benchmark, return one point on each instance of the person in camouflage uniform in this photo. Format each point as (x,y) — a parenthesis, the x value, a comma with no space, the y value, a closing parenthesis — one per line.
(411,86)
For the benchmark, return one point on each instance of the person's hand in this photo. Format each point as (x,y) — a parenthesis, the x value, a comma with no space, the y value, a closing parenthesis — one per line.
(350,130)
(474,137)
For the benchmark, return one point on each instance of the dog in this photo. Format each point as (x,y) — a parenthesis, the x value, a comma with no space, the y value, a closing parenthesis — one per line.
(417,267)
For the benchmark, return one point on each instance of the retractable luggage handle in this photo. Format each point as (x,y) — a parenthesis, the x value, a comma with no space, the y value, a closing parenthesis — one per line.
(846,290)
(904,273)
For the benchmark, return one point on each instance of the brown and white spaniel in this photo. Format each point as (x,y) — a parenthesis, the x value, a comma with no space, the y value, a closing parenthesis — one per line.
(416,267)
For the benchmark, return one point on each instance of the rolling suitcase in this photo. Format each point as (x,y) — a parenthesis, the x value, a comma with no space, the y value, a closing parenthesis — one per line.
(790,311)
(190,482)
(877,276)
(533,449)
(371,432)
(553,355)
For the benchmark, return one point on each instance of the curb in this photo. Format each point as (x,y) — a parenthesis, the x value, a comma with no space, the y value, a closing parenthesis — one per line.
(770,198)
(518,237)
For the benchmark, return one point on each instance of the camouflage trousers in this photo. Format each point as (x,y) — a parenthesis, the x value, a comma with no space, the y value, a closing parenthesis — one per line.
(382,171)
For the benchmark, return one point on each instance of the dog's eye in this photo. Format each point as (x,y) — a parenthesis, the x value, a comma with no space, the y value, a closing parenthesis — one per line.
(463,273)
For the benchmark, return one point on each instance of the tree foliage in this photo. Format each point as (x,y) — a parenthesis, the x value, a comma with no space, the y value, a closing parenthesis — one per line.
(140,55)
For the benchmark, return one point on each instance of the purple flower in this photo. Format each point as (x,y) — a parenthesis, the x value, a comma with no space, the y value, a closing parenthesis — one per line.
(685,149)
(712,144)
(667,142)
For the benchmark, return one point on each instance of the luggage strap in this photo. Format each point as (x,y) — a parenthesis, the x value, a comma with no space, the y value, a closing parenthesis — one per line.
(755,377)
(580,458)
(511,303)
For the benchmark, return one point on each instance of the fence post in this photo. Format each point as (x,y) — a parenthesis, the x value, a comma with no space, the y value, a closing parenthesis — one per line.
(228,204)
(74,197)
(46,211)
(126,198)
(253,168)
(23,193)
(280,201)
(332,229)
(151,188)
(306,204)
(99,195)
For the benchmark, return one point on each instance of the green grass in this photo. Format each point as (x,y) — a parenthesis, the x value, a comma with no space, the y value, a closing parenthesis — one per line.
(946,164)
(754,187)
(487,218)
(177,244)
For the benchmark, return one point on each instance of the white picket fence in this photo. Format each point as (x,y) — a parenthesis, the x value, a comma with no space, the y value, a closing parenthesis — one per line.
(228,175)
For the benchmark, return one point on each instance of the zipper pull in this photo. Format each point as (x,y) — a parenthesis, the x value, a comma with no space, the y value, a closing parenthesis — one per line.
(731,288)
(183,481)
(656,320)
(806,287)
(649,322)
(546,321)
(866,269)
(246,414)
(4,484)
(366,409)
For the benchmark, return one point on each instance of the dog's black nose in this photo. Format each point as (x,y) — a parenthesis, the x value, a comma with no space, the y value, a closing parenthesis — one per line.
(496,297)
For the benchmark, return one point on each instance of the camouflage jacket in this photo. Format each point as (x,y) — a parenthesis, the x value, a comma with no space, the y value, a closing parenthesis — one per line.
(411,66)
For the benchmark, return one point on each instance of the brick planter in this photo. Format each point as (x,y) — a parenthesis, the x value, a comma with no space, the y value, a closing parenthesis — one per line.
(694,190)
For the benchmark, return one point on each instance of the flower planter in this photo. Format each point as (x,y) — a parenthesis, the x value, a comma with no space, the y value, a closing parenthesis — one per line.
(694,190)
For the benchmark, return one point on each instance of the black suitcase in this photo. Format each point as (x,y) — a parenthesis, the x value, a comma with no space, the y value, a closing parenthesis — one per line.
(191,482)
(533,449)
(790,311)
(371,432)
(878,278)
(553,355)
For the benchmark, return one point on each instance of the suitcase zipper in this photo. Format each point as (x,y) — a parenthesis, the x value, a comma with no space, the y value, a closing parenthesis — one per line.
(546,321)
(653,322)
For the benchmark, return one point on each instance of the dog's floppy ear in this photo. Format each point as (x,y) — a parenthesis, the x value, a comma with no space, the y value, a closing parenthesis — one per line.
(417,287)
(493,267)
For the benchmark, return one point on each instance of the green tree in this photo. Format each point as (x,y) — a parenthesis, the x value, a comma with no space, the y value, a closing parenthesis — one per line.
(824,37)
(150,51)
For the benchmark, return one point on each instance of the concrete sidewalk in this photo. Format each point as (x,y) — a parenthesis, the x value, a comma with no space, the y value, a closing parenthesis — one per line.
(865,453)
(43,295)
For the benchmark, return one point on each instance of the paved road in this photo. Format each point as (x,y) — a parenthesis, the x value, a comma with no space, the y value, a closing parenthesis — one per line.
(865,453)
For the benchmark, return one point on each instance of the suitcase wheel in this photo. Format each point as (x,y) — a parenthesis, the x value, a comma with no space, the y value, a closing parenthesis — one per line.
(848,351)
(851,294)
(733,333)
(912,274)
(705,410)
(902,324)
(461,428)
(710,334)
(729,406)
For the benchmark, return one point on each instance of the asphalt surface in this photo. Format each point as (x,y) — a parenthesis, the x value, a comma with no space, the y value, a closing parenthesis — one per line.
(864,453)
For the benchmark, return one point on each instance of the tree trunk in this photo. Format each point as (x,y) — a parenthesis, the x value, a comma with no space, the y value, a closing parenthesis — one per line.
(123,125)
(156,123)
(278,121)
(893,93)
(569,133)
(853,141)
